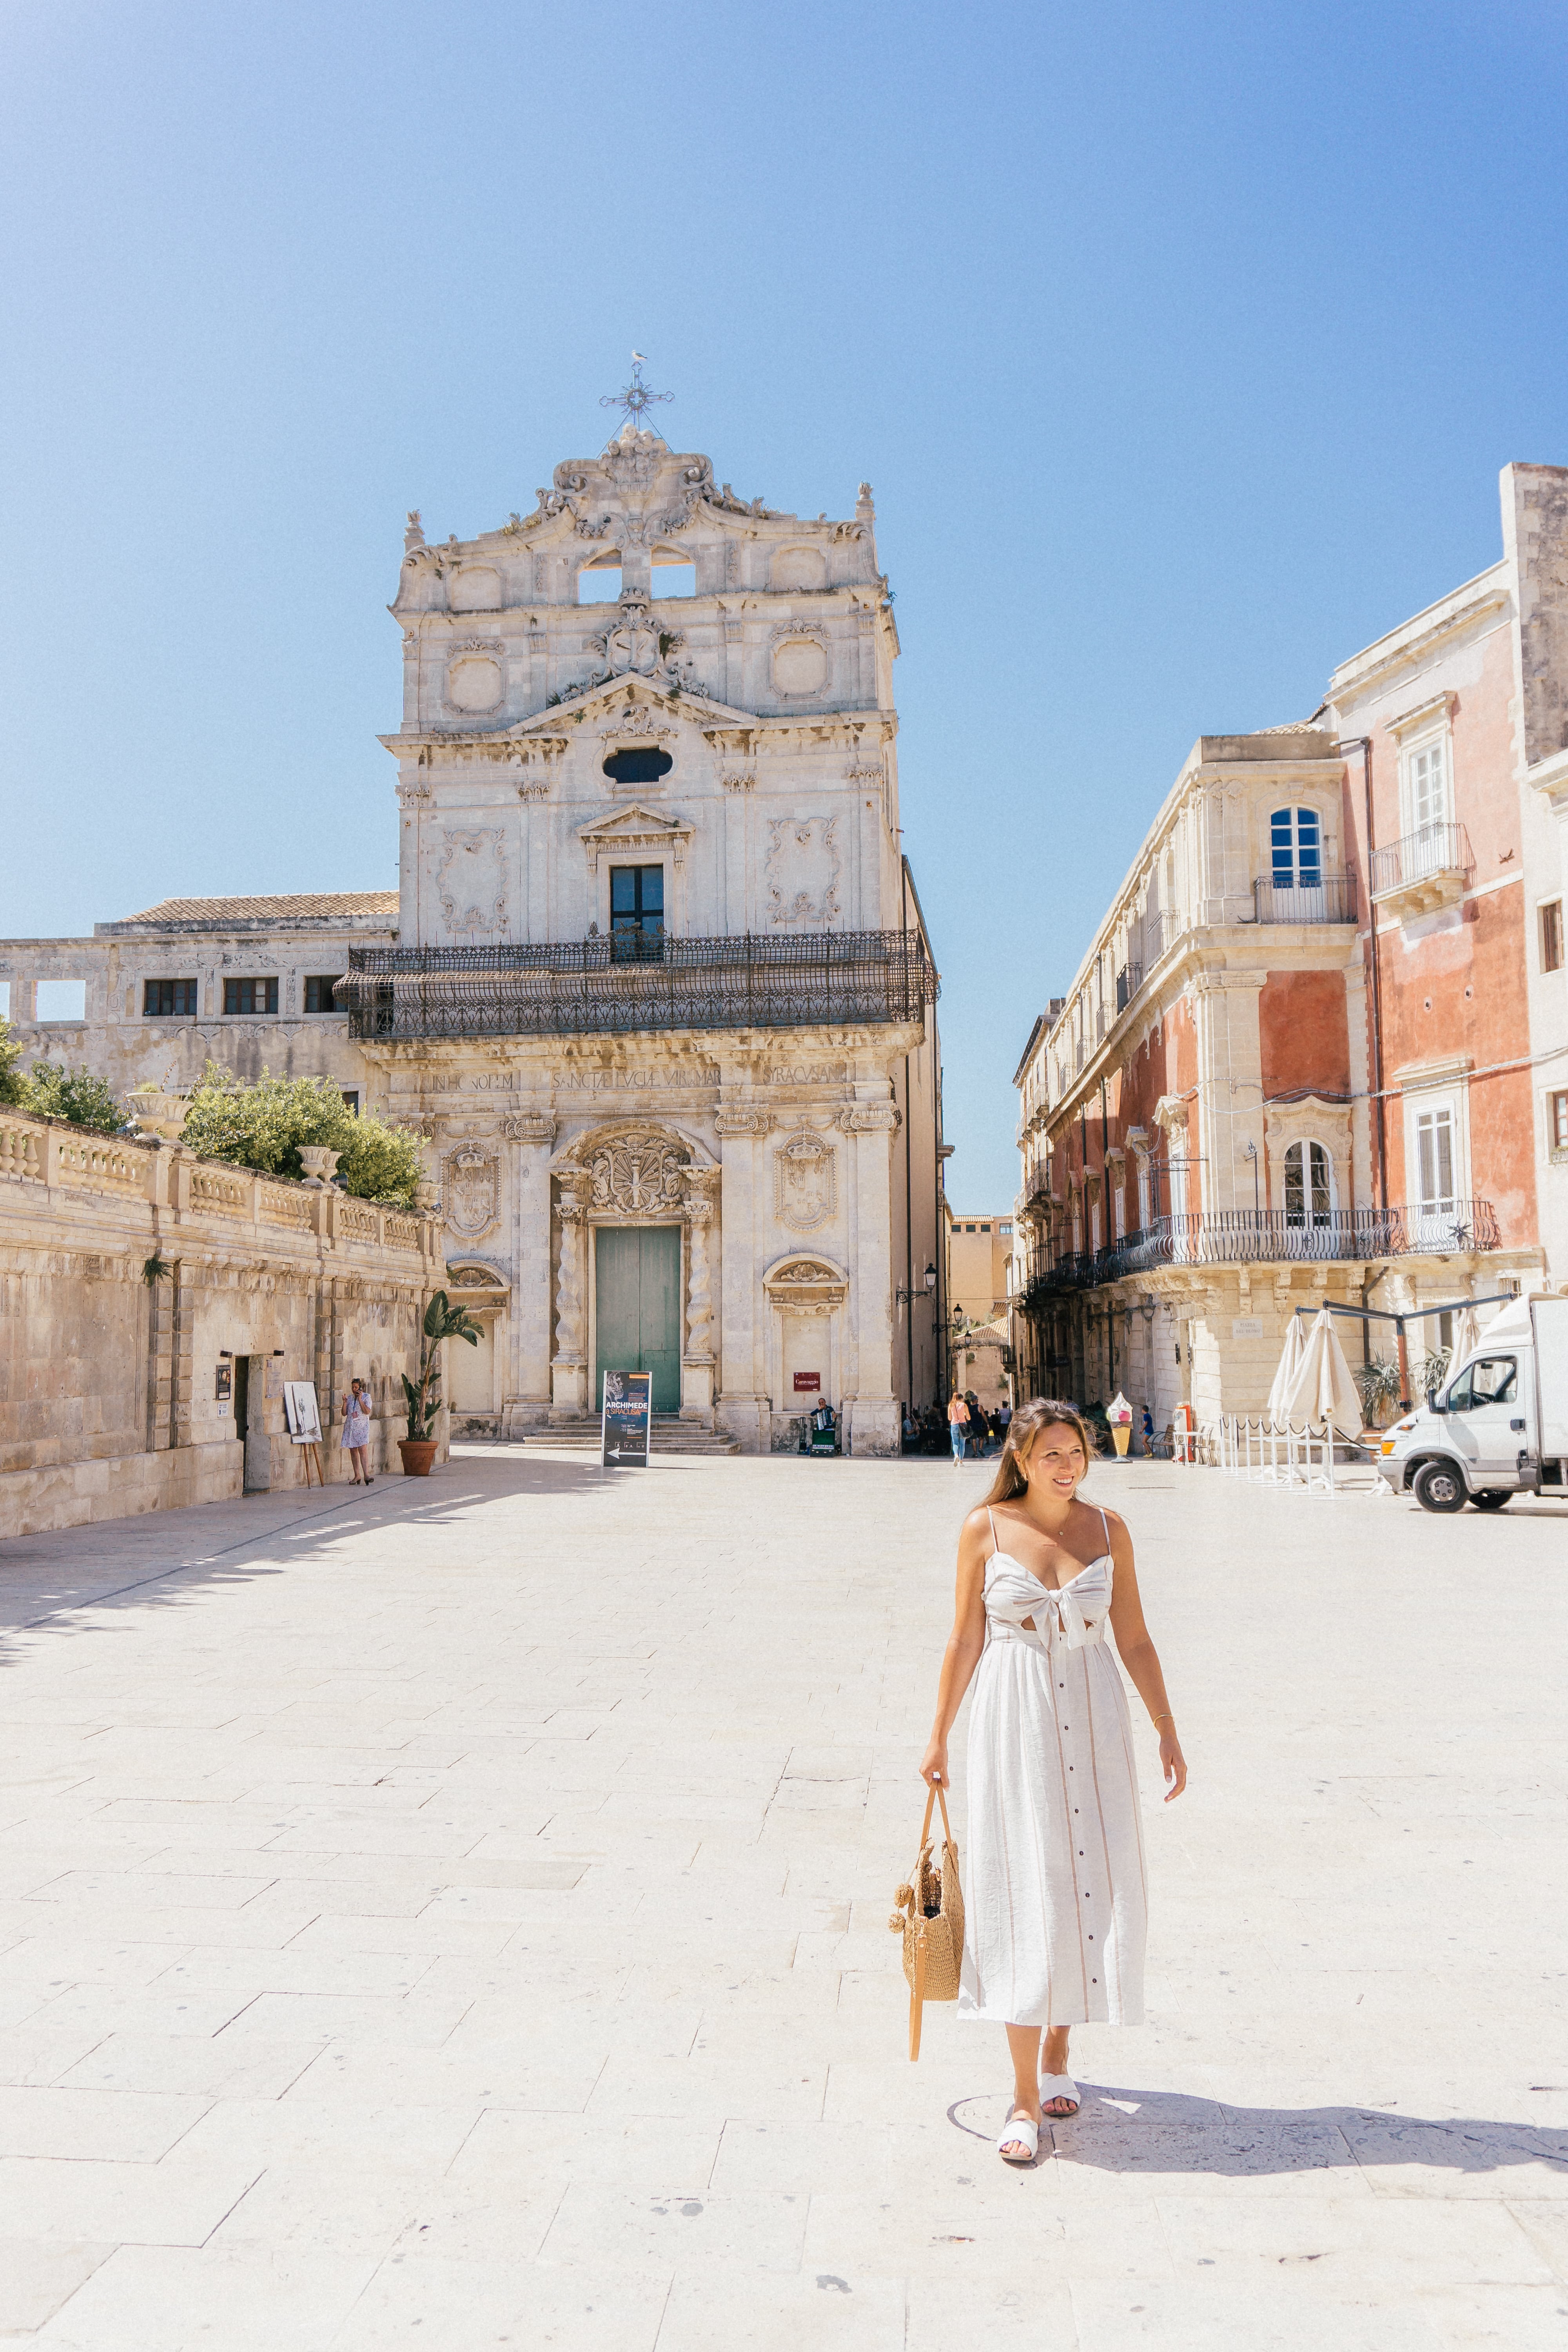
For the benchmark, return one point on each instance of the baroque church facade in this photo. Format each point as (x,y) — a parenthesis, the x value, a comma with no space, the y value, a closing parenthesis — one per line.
(655,988)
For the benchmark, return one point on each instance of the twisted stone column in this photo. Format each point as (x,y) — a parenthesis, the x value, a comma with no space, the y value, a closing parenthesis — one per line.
(568,1371)
(697,1366)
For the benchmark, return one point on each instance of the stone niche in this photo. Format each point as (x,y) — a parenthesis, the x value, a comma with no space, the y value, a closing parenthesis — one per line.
(800,665)
(476,589)
(474,682)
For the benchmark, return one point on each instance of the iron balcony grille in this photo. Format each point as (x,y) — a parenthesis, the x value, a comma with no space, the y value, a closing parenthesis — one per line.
(1421,857)
(1329,899)
(635,980)
(1273,1236)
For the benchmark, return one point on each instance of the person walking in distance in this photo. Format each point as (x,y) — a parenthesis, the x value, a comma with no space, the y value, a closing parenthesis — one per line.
(957,1422)
(1056,1894)
(356,1432)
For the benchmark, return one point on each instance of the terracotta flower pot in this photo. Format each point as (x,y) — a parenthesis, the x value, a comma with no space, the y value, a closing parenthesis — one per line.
(418,1452)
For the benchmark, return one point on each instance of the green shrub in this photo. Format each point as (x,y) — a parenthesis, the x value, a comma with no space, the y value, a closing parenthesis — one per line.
(13,1085)
(55,1092)
(262,1125)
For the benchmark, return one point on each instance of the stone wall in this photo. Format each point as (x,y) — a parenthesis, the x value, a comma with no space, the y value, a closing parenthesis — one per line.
(110,1380)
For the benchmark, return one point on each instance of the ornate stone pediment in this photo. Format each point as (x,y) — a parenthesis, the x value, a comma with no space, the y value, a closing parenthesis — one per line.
(635,827)
(801,1284)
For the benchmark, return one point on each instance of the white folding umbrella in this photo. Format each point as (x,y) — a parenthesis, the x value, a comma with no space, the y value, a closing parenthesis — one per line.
(1323,1392)
(1467,1331)
(1285,1378)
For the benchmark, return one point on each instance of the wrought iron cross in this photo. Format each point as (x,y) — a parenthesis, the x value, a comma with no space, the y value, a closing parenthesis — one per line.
(636,399)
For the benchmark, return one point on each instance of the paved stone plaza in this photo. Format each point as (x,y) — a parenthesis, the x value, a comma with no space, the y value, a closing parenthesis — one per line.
(456,1917)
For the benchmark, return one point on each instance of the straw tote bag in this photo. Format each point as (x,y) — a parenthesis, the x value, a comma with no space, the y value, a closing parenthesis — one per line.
(929,1917)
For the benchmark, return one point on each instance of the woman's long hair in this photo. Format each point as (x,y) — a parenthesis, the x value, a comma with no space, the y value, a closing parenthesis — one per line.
(1040,1413)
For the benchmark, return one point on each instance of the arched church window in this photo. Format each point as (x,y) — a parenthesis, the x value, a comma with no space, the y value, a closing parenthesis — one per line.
(1309,1185)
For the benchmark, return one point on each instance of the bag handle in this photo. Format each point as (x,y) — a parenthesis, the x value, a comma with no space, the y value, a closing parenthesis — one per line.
(936,1794)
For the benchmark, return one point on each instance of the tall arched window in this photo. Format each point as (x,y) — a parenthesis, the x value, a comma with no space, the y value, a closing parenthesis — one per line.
(1309,1187)
(1296,846)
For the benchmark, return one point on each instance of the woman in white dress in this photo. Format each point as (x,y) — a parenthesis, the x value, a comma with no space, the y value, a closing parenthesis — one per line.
(1055,1889)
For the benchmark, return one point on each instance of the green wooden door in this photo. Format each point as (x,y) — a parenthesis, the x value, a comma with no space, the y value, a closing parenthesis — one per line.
(637,1283)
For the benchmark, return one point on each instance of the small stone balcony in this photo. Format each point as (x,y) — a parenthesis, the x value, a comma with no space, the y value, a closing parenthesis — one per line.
(1427,869)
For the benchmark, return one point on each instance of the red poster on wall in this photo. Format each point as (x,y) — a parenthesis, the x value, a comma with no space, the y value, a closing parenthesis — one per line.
(804,1381)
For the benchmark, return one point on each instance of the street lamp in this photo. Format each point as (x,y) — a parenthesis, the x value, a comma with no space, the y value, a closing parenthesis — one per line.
(909,1297)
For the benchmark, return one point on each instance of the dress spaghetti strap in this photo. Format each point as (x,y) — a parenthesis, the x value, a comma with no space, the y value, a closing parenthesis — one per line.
(996,1546)
(1105,1530)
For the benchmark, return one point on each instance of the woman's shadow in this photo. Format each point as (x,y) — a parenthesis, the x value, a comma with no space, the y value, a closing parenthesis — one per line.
(1134,2132)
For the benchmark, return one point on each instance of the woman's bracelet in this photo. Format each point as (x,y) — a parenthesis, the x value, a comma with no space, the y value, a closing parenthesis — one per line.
(1165,1718)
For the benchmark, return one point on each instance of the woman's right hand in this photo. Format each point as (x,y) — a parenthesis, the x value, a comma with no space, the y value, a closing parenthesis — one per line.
(933,1763)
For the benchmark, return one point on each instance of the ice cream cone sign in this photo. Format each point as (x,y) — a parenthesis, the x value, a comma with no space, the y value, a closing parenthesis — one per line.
(1118,1413)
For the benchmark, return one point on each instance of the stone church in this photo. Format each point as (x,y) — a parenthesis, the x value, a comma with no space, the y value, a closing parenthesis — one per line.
(655,988)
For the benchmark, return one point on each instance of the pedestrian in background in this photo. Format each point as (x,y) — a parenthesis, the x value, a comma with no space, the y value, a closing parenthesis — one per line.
(356,1432)
(957,1422)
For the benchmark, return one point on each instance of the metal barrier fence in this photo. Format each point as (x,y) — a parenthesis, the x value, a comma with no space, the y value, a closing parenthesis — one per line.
(1271,1454)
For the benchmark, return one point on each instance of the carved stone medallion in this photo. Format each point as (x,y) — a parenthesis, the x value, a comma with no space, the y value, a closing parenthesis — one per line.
(471,1189)
(638,1175)
(806,1181)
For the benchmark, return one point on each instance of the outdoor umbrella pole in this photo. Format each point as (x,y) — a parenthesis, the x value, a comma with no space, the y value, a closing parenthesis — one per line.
(1404,1364)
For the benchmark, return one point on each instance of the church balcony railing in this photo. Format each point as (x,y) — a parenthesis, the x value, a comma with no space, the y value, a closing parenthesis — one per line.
(632,982)
(1277,1237)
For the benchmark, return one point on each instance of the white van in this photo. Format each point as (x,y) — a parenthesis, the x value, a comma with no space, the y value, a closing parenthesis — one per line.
(1499,1425)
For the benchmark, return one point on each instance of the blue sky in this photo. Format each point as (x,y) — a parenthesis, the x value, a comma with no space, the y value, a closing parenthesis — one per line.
(1182,345)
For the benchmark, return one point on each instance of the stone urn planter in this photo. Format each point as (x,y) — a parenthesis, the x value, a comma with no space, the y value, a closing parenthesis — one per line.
(418,1452)
(318,1163)
(158,1113)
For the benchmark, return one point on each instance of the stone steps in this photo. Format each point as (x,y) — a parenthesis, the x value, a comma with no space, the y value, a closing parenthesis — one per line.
(669,1434)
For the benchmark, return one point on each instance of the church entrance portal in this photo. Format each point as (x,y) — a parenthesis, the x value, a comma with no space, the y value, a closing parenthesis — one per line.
(636,1285)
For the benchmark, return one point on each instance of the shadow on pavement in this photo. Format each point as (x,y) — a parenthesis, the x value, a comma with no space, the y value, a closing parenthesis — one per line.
(1152,2132)
(159,1559)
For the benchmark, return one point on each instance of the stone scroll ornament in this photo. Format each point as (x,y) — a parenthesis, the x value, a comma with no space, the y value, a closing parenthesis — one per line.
(471,882)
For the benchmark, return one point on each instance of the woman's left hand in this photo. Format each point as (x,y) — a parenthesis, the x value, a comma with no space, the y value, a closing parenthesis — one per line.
(1173,1764)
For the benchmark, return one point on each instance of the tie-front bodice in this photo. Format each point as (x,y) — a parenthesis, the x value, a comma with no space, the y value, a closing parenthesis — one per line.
(1074,1615)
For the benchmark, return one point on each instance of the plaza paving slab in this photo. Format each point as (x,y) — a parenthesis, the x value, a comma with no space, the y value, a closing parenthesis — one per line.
(455,1916)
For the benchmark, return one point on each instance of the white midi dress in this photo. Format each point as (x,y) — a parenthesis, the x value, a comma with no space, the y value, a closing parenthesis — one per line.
(1056,1892)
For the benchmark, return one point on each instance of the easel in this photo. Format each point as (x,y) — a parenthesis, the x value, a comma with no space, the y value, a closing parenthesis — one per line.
(313,1453)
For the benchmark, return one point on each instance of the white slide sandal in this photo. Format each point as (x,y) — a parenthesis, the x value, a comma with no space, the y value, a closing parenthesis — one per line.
(1019,2131)
(1058,2087)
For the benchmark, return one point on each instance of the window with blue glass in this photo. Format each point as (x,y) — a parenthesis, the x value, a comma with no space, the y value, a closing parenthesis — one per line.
(1296,840)
(637,902)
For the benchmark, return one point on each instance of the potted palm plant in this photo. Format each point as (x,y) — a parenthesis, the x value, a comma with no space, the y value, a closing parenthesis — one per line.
(442,1321)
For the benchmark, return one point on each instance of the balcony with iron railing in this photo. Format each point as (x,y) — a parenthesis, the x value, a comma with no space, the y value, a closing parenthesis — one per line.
(1427,869)
(1277,1237)
(637,981)
(1129,980)
(1318,898)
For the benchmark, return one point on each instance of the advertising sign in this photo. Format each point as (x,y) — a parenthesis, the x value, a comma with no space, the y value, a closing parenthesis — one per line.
(301,1411)
(628,1421)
